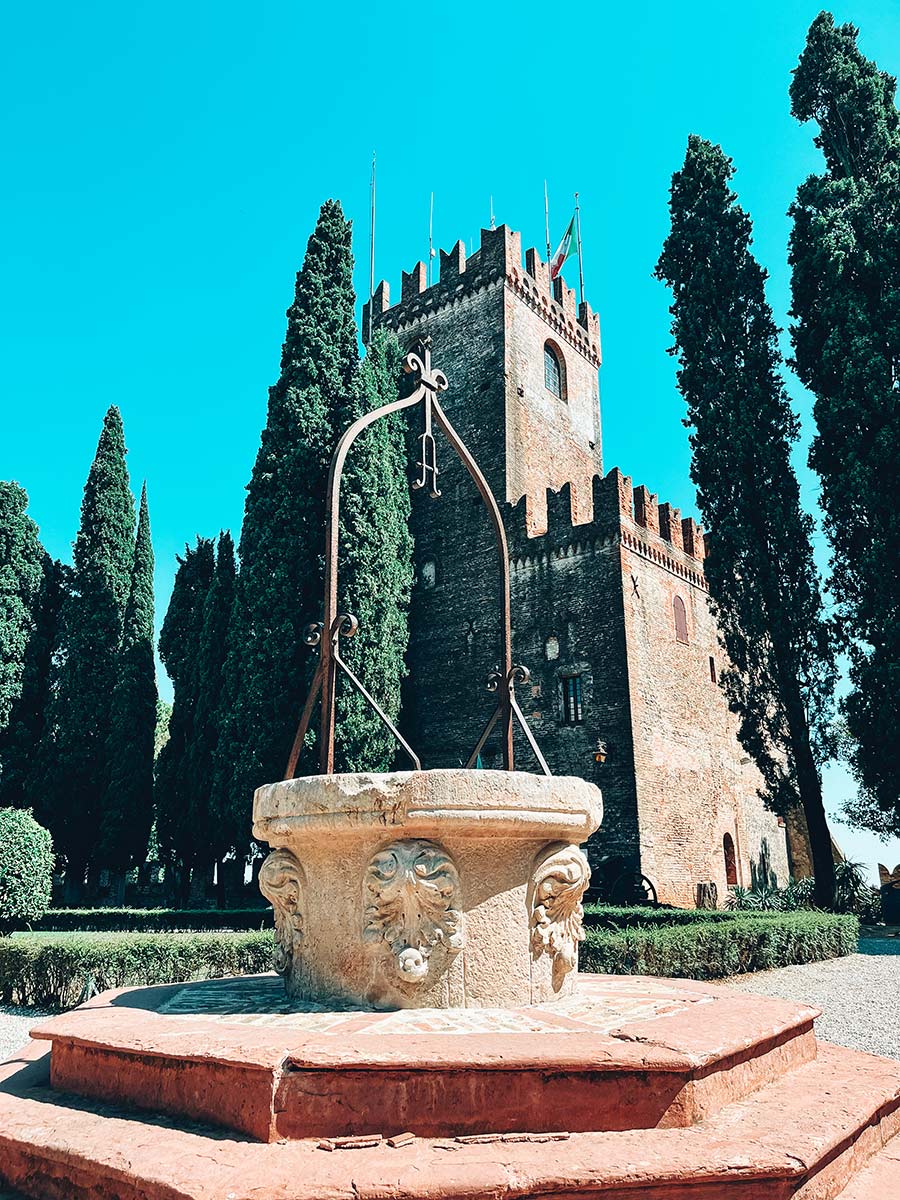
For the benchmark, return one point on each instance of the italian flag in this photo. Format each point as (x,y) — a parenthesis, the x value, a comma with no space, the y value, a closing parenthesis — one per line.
(564,250)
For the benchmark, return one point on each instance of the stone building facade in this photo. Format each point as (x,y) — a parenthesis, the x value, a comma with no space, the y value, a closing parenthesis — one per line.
(609,602)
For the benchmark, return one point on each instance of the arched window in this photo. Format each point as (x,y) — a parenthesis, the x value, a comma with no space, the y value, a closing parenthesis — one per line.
(554,371)
(681,628)
(730,861)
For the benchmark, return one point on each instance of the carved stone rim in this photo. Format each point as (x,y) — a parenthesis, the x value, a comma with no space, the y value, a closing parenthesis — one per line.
(488,804)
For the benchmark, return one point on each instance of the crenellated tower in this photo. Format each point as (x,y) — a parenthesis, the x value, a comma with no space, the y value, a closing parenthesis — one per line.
(610,608)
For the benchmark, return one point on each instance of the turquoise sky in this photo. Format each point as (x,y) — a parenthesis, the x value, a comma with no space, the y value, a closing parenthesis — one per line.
(165,163)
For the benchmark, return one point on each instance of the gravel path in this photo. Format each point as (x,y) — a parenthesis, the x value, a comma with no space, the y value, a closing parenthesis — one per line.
(859,995)
(15,1024)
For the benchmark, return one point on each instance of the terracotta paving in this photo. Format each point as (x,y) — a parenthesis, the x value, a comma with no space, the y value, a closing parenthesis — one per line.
(600,1007)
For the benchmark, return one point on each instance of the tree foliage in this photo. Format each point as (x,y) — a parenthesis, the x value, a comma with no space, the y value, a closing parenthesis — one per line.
(21,575)
(75,759)
(376,565)
(845,256)
(31,591)
(128,801)
(181,632)
(762,581)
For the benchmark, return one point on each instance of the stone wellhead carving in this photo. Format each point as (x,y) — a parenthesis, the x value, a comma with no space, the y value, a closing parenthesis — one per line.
(412,903)
(283,883)
(560,878)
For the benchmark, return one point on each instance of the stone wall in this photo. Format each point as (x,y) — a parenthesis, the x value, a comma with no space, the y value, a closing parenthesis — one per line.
(596,566)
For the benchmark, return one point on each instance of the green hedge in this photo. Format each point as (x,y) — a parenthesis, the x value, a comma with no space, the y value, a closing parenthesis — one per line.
(54,970)
(727,944)
(612,916)
(149,920)
(26,868)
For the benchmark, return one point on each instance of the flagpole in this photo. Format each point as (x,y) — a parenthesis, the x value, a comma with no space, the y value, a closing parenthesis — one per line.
(580,266)
(430,238)
(493,222)
(547,227)
(372,250)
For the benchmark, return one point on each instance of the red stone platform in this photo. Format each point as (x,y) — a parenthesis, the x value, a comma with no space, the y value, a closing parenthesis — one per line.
(635,1087)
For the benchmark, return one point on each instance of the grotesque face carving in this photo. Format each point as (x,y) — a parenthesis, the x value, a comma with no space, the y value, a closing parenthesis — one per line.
(411,904)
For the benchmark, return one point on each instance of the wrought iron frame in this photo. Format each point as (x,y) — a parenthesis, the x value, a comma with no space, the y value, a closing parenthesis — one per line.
(327,634)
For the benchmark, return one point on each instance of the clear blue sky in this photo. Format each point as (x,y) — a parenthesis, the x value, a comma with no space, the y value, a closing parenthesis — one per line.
(165,163)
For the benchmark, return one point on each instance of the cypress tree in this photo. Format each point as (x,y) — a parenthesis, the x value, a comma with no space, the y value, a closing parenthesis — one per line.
(20,741)
(75,758)
(845,255)
(128,804)
(31,588)
(21,575)
(212,820)
(179,638)
(762,581)
(376,563)
(279,588)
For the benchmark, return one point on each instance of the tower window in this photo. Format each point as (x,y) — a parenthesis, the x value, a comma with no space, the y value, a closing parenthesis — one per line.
(730,860)
(712,670)
(572,710)
(554,371)
(681,627)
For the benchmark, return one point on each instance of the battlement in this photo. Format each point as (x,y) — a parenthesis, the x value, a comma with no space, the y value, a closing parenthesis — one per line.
(498,258)
(621,513)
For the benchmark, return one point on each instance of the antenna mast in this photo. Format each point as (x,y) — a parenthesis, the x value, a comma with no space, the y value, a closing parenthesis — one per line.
(372,251)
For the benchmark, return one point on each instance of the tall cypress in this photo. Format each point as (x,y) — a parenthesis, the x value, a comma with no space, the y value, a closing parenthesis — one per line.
(762,581)
(127,813)
(31,589)
(74,753)
(376,563)
(845,255)
(279,587)
(21,782)
(179,639)
(212,821)
(21,574)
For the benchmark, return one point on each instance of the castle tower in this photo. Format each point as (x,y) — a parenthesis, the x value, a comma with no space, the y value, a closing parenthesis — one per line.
(610,610)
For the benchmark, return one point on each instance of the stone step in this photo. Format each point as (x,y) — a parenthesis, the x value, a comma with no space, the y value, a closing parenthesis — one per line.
(879,1179)
(802,1136)
(625,1054)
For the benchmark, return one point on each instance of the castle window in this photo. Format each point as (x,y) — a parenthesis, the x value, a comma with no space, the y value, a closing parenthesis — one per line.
(572,710)
(712,670)
(429,573)
(681,627)
(554,371)
(551,647)
(730,860)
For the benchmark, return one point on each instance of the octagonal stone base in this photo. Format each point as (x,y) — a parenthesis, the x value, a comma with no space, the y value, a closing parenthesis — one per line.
(427,889)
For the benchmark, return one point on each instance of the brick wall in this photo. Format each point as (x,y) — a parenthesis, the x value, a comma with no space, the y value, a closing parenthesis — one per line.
(596,566)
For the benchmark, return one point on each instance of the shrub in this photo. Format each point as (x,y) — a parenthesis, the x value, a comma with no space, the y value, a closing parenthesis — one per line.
(714,949)
(58,970)
(612,916)
(26,868)
(64,920)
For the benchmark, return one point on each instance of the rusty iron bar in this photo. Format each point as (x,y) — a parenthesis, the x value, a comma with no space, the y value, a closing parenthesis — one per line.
(428,384)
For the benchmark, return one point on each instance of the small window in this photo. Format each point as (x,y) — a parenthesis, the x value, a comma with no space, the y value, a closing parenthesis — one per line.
(730,860)
(712,670)
(429,573)
(681,628)
(572,711)
(554,374)
(551,647)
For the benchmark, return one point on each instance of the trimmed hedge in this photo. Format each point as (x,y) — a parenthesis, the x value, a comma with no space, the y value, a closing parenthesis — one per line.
(729,944)
(26,867)
(613,916)
(149,920)
(56,970)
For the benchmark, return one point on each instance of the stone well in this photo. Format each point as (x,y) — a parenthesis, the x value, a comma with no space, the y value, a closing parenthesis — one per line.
(427,889)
